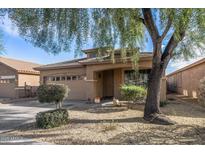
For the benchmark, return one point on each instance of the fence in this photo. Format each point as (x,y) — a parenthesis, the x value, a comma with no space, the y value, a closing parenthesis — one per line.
(26,91)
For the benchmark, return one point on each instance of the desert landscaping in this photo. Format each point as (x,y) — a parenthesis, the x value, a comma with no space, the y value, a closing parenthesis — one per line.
(108,124)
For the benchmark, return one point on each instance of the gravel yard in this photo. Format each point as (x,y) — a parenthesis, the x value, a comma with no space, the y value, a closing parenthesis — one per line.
(96,124)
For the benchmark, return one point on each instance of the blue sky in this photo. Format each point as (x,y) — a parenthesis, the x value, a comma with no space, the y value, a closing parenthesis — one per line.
(18,48)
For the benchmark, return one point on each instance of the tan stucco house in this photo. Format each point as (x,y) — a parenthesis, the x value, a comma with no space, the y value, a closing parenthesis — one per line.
(186,80)
(95,76)
(15,74)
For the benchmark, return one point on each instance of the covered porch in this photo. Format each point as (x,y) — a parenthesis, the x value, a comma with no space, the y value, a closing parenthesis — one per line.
(104,81)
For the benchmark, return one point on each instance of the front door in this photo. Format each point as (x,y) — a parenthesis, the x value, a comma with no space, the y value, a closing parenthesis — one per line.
(108,84)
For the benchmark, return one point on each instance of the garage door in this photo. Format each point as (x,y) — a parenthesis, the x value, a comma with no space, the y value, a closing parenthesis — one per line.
(7,90)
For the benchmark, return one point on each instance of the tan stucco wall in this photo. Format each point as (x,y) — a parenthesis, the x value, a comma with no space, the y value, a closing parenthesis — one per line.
(187,82)
(7,89)
(92,85)
(93,82)
(118,80)
(31,80)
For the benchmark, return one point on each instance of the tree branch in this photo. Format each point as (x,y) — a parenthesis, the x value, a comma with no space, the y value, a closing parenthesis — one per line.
(169,23)
(169,48)
(150,24)
(141,19)
(172,44)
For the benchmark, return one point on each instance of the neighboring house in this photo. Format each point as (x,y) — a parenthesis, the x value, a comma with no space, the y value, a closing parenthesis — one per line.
(186,80)
(97,76)
(15,74)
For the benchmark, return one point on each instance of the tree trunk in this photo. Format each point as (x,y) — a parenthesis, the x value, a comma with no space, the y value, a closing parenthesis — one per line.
(153,93)
(60,105)
(152,111)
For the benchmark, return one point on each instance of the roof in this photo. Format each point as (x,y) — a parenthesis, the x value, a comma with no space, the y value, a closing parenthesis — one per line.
(20,66)
(188,67)
(82,62)
(65,64)
(93,50)
(105,49)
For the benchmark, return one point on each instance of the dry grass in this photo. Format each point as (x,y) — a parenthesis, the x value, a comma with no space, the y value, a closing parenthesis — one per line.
(119,125)
(111,126)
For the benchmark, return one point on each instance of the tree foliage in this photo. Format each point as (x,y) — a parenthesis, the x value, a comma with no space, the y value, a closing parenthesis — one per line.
(2,15)
(57,30)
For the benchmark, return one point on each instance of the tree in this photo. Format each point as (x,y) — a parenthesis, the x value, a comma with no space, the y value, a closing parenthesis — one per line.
(2,15)
(173,32)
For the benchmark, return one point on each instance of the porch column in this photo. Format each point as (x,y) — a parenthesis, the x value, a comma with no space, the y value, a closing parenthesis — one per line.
(118,81)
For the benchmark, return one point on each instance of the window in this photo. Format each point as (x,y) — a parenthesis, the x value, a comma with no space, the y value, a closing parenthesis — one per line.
(62,78)
(80,77)
(53,78)
(58,78)
(136,77)
(68,78)
(7,81)
(74,77)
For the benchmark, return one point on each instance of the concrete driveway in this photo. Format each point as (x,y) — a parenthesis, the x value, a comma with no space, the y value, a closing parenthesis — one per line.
(13,115)
(16,114)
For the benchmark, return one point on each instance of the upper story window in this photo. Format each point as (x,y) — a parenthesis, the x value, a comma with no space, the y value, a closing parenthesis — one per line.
(91,55)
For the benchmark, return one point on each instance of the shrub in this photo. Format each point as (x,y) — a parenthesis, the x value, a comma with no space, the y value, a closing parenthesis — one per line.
(133,93)
(201,92)
(52,94)
(53,118)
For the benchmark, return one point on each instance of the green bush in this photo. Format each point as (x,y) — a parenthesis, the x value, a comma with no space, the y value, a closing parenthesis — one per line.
(163,103)
(52,93)
(53,118)
(133,92)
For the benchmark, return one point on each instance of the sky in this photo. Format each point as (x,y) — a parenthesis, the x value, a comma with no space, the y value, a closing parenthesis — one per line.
(17,48)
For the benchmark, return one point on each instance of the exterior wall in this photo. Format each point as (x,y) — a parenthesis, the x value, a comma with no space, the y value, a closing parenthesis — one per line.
(92,82)
(7,89)
(92,85)
(31,80)
(187,82)
(77,87)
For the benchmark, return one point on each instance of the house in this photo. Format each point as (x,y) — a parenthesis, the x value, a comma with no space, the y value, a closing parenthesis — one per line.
(186,80)
(15,74)
(97,76)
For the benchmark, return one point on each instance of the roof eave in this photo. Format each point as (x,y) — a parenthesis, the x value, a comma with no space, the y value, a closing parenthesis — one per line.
(57,67)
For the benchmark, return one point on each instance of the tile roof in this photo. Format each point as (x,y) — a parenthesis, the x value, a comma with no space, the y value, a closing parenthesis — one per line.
(20,66)
(64,64)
